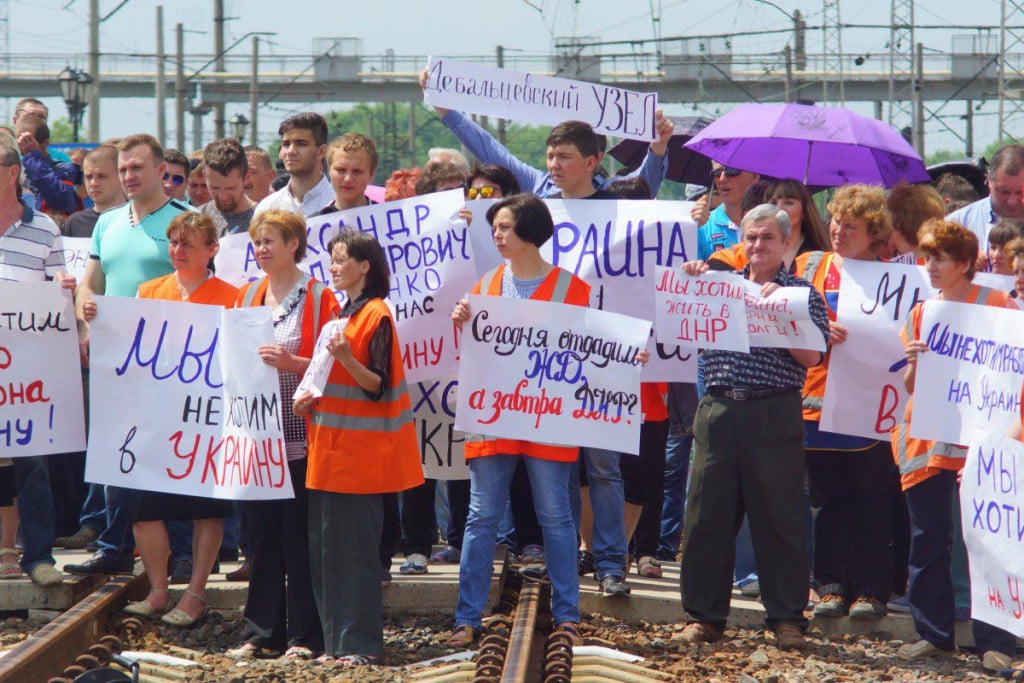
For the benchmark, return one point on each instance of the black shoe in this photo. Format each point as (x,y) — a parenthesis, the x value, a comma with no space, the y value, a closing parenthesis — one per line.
(228,555)
(103,564)
(585,563)
(614,587)
(182,572)
(537,572)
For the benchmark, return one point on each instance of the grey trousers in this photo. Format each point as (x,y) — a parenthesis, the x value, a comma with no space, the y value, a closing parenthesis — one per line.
(749,458)
(344,537)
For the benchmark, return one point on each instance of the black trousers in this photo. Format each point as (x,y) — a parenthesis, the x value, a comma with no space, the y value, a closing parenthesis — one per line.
(391,530)
(749,459)
(524,517)
(419,519)
(280,609)
(853,521)
(644,482)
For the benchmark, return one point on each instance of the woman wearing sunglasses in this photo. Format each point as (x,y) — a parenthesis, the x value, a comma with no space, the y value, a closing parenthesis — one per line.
(491,182)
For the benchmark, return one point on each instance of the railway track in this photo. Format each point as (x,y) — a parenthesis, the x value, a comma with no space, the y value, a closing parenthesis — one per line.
(76,641)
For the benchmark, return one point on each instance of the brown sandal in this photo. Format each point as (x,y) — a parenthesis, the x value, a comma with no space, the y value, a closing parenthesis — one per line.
(463,636)
(8,569)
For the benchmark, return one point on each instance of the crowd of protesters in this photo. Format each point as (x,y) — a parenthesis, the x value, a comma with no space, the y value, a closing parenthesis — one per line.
(735,477)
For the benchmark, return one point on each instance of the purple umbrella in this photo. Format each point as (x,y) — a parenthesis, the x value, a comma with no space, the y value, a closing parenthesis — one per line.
(825,146)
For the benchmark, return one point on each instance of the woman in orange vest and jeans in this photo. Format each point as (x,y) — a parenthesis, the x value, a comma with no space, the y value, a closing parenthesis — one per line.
(521,224)
(928,469)
(362,445)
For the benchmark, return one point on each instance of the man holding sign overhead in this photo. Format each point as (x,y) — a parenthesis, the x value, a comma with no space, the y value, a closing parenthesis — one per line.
(489,151)
(749,457)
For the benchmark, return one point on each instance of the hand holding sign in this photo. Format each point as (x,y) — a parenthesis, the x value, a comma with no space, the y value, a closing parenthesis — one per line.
(315,378)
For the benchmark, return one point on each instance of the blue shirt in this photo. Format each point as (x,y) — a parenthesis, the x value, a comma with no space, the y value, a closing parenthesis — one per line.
(489,151)
(718,233)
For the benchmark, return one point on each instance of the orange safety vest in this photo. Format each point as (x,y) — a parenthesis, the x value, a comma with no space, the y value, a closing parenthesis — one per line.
(319,307)
(559,286)
(817,264)
(358,445)
(214,291)
(918,459)
(735,256)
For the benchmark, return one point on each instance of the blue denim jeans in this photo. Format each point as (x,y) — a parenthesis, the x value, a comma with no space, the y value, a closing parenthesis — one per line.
(489,478)
(745,571)
(35,507)
(677,468)
(117,539)
(94,509)
(607,500)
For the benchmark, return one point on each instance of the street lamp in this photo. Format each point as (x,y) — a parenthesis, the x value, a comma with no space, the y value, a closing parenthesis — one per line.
(238,125)
(75,88)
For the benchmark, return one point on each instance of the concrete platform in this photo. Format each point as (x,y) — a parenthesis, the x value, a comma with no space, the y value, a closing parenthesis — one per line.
(652,600)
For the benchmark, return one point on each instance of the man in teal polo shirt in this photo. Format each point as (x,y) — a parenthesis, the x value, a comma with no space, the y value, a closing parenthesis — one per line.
(129,247)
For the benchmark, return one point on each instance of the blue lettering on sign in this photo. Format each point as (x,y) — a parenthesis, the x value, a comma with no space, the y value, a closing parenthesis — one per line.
(998,519)
(594,251)
(190,366)
(15,432)
(998,469)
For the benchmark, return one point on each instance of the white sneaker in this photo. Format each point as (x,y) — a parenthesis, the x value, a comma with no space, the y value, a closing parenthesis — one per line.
(44,574)
(920,650)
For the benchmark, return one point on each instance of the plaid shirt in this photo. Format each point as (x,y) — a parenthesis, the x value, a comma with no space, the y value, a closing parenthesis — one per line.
(764,368)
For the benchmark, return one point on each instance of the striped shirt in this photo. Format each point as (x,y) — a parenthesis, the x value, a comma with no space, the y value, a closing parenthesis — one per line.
(764,368)
(31,250)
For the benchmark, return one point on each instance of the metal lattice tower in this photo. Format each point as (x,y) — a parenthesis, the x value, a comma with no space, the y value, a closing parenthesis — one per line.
(1011,71)
(901,62)
(832,68)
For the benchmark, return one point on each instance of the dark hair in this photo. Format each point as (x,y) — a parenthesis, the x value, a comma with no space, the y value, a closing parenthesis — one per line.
(226,155)
(1009,159)
(291,226)
(811,225)
(362,246)
(307,120)
(955,188)
(31,123)
(438,173)
(1005,230)
(630,188)
(23,103)
(754,195)
(950,238)
(499,175)
(173,156)
(533,222)
(578,134)
(132,141)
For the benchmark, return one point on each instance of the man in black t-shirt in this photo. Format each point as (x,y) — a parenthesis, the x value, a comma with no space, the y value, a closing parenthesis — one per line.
(104,187)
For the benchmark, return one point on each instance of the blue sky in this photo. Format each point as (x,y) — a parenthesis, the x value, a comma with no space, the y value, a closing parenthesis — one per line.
(463,28)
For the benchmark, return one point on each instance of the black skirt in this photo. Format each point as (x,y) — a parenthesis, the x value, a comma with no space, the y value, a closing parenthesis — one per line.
(148,506)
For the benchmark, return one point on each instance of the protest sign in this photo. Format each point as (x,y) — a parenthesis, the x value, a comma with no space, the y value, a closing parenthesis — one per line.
(181,401)
(40,378)
(481,237)
(236,261)
(1001,283)
(546,100)
(552,373)
(701,311)
(864,393)
(319,369)
(970,376)
(992,514)
(781,320)
(433,410)
(76,255)
(616,246)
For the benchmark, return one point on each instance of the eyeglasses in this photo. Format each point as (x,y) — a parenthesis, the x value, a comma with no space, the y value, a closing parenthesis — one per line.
(176,180)
(485,192)
(727,170)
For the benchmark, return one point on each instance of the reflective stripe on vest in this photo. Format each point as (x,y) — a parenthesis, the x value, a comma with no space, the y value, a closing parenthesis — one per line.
(362,424)
(250,292)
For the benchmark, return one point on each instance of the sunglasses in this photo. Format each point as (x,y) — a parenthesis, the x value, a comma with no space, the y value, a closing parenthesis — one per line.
(485,192)
(176,180)
(727,170)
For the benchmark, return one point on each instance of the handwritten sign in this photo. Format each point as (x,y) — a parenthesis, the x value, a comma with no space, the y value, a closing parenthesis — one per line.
(970,377)
(866,370)
(181,401)
(426,246)
(315,378)
(616,246)
(1000,283)
(992,512)
(782,319)
(705,311)
(76,255)
(441,445)
(553,373)
(40,380)
(546,100)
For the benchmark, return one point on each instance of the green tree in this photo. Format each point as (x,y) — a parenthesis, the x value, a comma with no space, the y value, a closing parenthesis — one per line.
(60,130)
